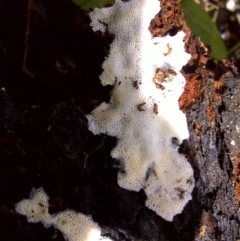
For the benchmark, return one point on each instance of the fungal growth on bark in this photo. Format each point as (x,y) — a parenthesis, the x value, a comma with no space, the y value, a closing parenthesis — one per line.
(143,117)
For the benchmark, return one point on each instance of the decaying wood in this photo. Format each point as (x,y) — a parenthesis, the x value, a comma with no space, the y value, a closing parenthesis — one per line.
(44,138)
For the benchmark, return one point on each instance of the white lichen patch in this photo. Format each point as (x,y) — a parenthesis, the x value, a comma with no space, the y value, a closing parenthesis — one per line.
(146,120)
(74,226)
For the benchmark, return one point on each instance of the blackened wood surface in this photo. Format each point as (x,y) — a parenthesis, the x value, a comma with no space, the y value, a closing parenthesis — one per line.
(213,123)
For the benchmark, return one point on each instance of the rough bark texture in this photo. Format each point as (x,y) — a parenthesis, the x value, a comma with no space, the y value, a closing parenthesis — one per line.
(44,139)
(213,125)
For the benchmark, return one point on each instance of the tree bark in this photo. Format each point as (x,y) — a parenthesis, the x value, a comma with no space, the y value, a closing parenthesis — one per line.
(45,139)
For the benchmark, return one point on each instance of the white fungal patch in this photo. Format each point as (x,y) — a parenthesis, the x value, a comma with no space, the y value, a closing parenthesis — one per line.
(144,134)
(74,226)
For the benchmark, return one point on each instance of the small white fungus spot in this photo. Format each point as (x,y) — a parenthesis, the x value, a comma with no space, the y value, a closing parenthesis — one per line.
(74,226)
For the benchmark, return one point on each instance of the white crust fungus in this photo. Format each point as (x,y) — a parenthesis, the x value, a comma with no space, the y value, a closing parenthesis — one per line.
(145,119)
(74,226)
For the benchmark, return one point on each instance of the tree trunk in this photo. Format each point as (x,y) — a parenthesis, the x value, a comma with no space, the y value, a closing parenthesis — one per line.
(50,63)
